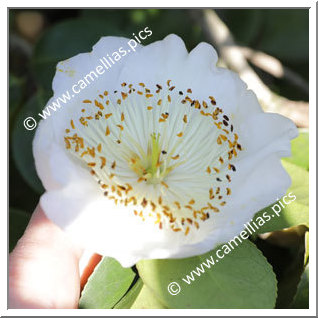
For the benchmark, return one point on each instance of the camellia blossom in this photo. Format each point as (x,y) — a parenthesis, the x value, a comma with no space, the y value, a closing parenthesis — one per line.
(164,156)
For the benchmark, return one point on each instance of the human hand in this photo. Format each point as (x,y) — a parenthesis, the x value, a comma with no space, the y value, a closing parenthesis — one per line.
(44,267)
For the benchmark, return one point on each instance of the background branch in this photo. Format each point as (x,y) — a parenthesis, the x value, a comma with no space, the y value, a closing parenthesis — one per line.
(274,67)
(217,33)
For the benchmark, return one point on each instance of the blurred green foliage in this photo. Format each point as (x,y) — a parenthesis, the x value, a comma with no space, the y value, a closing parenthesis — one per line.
(60,34)
(281,33)
(18,220)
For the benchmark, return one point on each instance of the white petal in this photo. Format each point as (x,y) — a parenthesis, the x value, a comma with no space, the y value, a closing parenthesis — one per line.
(72,70)
(168,59)
(75,201)
(267,133)
(263,187)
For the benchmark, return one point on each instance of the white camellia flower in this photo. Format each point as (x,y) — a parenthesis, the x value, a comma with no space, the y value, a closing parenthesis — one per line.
(163,156)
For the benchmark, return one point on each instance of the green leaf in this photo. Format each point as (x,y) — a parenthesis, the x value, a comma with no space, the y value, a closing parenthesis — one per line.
(130,297)
(297,211)
(242,279)
(300,151)
(63,41)
(147,300)
(18,221)
(106,286)
(301,300)
(22,141)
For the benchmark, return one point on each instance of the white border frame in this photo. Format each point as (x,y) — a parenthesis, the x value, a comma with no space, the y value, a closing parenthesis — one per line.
(312,160)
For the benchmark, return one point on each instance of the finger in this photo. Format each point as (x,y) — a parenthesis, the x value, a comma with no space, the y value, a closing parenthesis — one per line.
(43,267)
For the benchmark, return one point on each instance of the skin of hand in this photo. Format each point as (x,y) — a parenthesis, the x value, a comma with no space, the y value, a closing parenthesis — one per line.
(44,267)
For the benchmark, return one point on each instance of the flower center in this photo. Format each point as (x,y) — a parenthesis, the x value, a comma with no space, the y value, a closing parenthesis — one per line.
(160,152)
(154,166)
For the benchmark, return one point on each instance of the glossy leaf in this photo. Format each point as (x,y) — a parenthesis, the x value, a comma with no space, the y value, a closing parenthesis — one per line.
(147,300)
(242,279)
(106,286)
(127,301)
